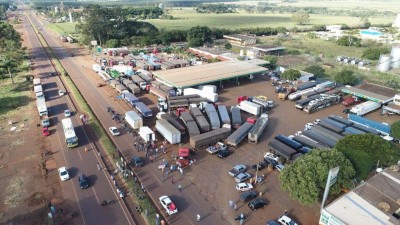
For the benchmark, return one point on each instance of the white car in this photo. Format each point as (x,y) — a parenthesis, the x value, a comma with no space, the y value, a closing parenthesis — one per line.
(114,131)
(271,156)
(63,173)
(285,220)
(61,92)
(279,167)
(168,205)
(244,187)
(67,113)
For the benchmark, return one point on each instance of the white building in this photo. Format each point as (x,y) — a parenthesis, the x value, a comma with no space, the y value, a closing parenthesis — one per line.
(374,202)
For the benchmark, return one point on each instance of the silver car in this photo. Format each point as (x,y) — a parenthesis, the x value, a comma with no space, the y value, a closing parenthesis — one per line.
(242,177)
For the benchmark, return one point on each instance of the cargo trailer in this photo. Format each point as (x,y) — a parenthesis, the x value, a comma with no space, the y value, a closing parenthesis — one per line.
(158,92)
(331,127)
(130,98)
(126,82)
(236,117)
(364,108)
(186,117)
(197,100)
(236,137)
(289,142)
(143,109)
(353,130)
(214,120)
(340,120)
(183,97)
(308,142)
(133,119)
(174,122)
(212,137)
(335,123)
(327,133)
(145,77)
(196,112)
(203,124)
(121,88)
(281,149)
(365,129)
(192,128)
(305,86)
(169,132)
(319,138)
(178,103)
(113,83)
(147,134)
(223,113)
(209,108)
(133,88)
(380,127)
(258,129)
(250,107)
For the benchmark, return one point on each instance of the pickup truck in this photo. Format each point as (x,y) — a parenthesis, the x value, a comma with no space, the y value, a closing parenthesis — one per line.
(45,121)
(237,169)
(216,148)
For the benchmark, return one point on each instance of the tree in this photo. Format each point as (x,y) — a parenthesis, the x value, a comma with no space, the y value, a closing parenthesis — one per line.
(199,35)
(305,179)
(273,60)
(345,76)
(318,71)
(374,52)
(228,46)
(291,74)
(395,130)
(112,43)
(349,40)
(301,17)
(365,150)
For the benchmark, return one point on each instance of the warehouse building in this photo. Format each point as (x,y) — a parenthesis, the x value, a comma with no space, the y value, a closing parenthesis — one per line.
(374,202)
(371,92)
(268,50)
(203,74)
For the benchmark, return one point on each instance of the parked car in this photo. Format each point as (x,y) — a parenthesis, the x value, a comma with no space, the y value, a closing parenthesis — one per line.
(136,161)
(63,173)
(244,187)
(285,220)
(83,182)
(242,177)
(168,205)
(45,131)
(114,131)
(237,169)
(271,161)
(257,204)
(260,165)
(67,113)
(279,167)
(61,92)
(224,153)
(248,195)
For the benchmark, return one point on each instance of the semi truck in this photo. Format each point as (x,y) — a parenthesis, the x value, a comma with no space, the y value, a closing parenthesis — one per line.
(192,128)
(327,133)
(331,127)
(365,129)
(133,88)
(237,136)
(394,106)
(169,132)
(380,127)
(323,102)
(143,109)
(291,143)
(174,122)
(121,89)
(319,138)
(212,137)
(236,117)
(133,119)
(223,113)
(308,142)
(258,129)
(352,130)
(335,123)
(300,104)
(139,82)
(351,100)
(281,149)
(250,107)
(340,120)
(364,108)
(158,92)
(147,134)
(130,98)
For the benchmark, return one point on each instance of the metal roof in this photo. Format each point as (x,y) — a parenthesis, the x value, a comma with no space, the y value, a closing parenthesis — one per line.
(367,94)
(208,73)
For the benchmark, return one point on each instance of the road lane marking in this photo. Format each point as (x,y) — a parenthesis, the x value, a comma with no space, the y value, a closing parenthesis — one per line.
(80,156)
(95,195)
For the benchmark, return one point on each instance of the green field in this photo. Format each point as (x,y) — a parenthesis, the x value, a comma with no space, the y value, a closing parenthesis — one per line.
(63,28)
(187,18)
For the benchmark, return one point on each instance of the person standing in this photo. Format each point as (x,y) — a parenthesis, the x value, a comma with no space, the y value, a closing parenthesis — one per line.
(180,187)
(198,217)
(234,206)
(231,204)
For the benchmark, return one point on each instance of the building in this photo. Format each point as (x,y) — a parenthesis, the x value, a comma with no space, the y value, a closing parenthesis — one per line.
(374,202)
(268,50)
(241,40)
(371,92)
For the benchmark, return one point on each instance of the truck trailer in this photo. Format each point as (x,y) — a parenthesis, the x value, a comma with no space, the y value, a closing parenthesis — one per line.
(340,120)
(212,137)
(203,124)
(133,119)
(352,130)
(130,98)
(195,111)
(327,133)
(186,117)
(364,108)
(143,109)
(258,129)
(158,92)
(365,129)
(214,120)
(147,134)
(169,132)
(133,88)
(380,127)
(331,127)
(174,122)
(121,89)
(223,113)
(236,117)
(319,138)
(192,128)
(308,142)
(250,107)
(335,123)
(236,137)
(41,107)
(281,149)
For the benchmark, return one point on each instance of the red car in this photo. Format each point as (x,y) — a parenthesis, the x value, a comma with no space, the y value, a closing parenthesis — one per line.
(45,131)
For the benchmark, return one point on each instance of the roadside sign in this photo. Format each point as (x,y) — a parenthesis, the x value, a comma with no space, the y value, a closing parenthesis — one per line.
(93,43)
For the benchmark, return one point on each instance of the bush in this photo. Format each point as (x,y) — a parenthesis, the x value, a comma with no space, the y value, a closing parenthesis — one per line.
(293,52)
(374,53)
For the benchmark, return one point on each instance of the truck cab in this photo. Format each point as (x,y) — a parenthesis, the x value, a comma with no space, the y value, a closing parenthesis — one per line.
(45,121)
(242,98)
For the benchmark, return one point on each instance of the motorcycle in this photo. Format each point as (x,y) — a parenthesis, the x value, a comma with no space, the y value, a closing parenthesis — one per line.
(107,202)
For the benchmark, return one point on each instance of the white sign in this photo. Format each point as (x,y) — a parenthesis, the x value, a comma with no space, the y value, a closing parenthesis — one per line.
(332,177)
(328,219)
(94,43)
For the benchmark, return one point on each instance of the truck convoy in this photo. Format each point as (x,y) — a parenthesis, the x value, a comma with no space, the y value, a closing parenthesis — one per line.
(212,137)
(133,119)
(236,137)
(258,129)
(169,132)
(364,108)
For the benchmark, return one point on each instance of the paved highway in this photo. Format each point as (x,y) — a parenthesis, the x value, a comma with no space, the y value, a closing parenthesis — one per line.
(189,202)
(86,202)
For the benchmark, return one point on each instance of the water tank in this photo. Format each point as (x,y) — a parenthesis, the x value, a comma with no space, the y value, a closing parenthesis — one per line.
(395,54)
(346,60)
(384,63)
(354,62)
(339,58)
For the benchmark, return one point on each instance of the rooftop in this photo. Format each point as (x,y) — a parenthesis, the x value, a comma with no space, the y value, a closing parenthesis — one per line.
(371,92)
(208,73)
(268,48)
